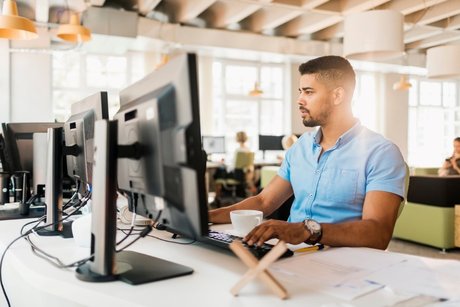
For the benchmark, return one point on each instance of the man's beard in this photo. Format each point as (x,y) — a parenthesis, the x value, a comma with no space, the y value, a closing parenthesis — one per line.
(319,121)
(311,123)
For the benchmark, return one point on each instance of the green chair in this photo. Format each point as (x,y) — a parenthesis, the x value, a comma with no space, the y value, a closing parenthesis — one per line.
(429,214)
(244,163)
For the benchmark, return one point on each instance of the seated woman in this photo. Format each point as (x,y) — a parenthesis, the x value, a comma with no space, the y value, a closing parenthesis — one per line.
(246,175)
(451,165)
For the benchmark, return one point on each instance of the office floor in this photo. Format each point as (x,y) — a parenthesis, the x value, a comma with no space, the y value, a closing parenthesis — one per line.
(405,247)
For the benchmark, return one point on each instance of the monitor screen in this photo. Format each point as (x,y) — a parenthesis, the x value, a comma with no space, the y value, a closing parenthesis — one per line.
(79,133)
(213,144)
(270,142)
(18,144)
(161,114)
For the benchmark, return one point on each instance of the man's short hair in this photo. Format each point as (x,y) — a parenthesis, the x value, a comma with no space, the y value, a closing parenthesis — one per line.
(333,70)
(457,139)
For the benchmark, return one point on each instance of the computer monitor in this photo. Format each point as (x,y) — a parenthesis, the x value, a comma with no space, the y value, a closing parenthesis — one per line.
(161,113)
(213,144)
(79,134)
(156,137)
(18,144)
(18,150)
(270,142)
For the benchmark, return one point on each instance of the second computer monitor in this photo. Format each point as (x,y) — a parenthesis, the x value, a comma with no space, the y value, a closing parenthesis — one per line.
(270,142)
(79,135)
(160,115)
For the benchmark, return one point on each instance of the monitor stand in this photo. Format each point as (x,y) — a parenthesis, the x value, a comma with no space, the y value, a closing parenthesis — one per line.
(53,187)
(106,265)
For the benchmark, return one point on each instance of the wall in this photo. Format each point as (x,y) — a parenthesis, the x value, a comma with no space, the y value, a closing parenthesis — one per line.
(29,90)
(395,113)
(4,81)
(31,99)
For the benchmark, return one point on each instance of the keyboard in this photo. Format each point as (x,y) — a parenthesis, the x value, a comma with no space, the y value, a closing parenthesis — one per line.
(224,239)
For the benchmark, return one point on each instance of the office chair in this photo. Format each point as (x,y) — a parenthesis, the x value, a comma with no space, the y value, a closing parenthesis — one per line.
(237,180)
(406,190)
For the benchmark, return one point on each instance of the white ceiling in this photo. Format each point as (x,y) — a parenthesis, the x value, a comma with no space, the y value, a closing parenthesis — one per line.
(428,23)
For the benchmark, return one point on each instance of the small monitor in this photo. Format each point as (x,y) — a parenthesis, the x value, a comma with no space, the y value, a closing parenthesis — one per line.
(79,134)
(213,144)
(160,114)
(270,142)
(18,144)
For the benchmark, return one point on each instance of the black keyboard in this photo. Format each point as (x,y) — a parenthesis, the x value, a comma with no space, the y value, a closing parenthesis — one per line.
(224,239)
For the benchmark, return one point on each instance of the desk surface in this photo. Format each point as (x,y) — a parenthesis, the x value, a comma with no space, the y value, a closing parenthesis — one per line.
(31,280)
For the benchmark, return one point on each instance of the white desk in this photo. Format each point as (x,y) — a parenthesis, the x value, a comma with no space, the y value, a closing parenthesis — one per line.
(31,281)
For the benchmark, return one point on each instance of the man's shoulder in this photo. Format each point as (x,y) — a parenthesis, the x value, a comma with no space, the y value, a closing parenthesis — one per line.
(374,138)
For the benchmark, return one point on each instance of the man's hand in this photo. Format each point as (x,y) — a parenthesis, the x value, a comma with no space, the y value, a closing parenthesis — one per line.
(293,233)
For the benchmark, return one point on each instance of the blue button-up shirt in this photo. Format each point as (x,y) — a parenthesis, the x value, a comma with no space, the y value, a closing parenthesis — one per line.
(331,187)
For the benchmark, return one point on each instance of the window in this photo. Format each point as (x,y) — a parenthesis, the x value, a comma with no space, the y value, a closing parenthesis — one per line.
(237,111)
(365,102)
(434,121)
(78,75)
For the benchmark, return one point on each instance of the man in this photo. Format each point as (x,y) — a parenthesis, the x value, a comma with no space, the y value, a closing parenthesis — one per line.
(348,181)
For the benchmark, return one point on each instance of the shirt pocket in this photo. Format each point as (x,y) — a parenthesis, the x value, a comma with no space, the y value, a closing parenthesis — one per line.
(341,185)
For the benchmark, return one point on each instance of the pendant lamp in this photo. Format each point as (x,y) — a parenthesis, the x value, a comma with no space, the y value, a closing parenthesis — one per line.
(74,32)
(443,62)
(13,26)
(373,35)
(256,91)
(402,84)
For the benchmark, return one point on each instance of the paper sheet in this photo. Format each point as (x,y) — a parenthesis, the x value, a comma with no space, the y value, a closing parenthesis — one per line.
(433,277)
(338,272)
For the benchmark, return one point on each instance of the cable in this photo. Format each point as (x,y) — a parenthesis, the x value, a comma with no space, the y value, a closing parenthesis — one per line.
(38,221)
(142,234)
(133,218)
(49,258)
(170,241)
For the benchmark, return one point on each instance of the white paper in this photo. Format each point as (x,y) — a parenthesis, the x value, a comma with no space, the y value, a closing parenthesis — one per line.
(433,277)
(338,272)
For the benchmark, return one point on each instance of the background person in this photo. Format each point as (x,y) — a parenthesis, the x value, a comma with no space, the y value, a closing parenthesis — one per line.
(451,165)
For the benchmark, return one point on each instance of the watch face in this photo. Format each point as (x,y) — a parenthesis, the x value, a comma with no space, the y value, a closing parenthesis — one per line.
(313,225)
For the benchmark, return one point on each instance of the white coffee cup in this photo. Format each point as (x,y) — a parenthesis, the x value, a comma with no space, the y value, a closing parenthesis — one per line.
(244,221)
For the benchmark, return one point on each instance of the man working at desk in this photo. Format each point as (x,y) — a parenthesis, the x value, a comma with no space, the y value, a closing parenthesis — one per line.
(348,181)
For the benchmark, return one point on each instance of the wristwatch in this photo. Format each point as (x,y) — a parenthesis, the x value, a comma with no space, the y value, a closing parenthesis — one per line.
(315,231)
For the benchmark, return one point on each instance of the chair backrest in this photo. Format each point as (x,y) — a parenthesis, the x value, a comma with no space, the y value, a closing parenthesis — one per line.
(406,189)
(244,159)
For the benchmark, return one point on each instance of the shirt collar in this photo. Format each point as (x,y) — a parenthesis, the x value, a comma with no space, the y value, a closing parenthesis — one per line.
(344,138)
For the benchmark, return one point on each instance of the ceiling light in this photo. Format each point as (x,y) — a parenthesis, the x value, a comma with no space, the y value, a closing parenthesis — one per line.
(373,35)
(73,31)
(443,62)
(256,91)
(13,26)
(402,84)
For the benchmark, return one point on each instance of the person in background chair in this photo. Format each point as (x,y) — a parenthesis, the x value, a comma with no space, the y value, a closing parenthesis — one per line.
(451,165)
(223,173)
(348,181)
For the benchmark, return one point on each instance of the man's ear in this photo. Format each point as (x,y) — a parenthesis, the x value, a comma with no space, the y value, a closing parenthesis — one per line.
(338,95)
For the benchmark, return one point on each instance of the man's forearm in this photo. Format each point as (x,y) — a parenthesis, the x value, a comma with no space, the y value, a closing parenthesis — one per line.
(222,215)
(363,233)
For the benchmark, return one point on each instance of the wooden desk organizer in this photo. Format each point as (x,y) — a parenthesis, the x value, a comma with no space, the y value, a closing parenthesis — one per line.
(259,268)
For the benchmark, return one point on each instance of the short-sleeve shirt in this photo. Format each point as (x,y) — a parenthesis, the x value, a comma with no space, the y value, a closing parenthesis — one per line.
(331,187)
